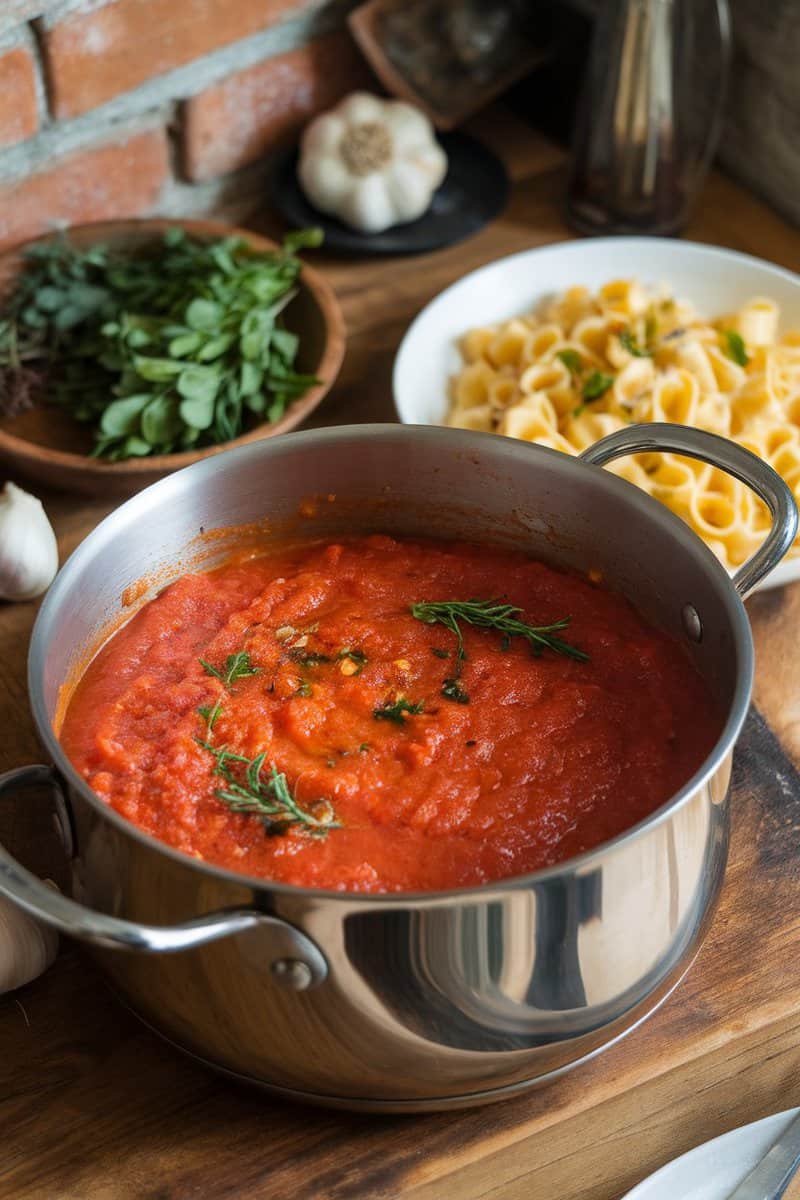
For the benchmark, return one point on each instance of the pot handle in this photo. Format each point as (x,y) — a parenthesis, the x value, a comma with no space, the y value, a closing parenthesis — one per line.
(304,967)
(728,456)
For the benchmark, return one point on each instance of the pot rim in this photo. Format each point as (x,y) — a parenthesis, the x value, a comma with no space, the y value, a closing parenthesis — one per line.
(159,494)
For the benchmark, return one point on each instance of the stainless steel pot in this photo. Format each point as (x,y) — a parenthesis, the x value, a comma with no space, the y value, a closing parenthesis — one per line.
(406,1002)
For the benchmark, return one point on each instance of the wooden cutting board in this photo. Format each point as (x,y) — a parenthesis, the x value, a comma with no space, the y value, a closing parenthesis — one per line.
(94,1107)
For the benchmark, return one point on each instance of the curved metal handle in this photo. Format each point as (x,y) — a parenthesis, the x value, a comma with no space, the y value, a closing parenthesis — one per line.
(720,452)
(114,933)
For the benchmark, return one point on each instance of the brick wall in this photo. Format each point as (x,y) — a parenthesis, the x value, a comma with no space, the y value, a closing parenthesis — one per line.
(129,107)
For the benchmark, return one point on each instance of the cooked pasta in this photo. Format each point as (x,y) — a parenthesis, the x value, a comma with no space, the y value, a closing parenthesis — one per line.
(587,363)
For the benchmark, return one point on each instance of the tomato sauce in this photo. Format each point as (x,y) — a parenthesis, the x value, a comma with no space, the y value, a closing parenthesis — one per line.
(548,757)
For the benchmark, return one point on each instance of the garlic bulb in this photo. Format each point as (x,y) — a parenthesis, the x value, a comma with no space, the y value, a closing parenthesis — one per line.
(26,947)
(372,163)
(28,550)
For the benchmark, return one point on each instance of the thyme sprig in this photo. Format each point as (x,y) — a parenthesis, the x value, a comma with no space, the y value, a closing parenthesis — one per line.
(490,614)
(248,790)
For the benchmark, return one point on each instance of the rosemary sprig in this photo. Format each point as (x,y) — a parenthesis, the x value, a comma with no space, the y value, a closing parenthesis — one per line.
(394,712)
(237,666)
(490,614)
(270,798)
(210,714)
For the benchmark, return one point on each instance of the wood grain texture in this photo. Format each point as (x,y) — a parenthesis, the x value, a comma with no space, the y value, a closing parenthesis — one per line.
(95,1107)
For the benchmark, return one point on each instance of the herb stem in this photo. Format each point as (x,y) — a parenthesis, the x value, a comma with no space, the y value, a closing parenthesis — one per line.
(490,614)
(269,798)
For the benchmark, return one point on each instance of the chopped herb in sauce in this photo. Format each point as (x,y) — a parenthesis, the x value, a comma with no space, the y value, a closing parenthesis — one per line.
(394,712)
(452,690)
(309,658)
(357,657)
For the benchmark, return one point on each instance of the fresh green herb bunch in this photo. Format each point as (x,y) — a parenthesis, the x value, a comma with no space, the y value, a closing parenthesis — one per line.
(166,350)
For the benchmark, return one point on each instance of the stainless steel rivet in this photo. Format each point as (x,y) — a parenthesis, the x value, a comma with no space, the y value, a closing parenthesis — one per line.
(692,625)
(292,973)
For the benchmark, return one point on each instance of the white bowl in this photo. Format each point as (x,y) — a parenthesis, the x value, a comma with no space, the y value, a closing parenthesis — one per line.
(715,280)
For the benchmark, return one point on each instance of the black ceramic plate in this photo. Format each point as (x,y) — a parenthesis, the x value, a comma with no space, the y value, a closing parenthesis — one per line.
(474,191)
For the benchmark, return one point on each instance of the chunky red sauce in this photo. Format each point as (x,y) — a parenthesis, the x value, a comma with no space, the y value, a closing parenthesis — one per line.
(551,756)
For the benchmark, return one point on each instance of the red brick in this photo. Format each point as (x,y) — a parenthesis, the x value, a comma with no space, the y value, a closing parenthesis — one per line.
(19,117)
(92,57)
(234,122)
(118,179)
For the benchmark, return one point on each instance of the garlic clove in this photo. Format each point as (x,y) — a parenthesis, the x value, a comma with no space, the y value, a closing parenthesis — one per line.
(369,207)
(27,948)
(409,192)
(433,160)
(326,181)
(410,128)
(361,107)
(323,135)
(28,548)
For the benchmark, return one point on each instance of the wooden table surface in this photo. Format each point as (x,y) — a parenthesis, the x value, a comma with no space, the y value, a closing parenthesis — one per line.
(94,1107)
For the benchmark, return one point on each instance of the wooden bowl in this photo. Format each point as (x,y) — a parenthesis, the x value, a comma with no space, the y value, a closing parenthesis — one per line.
(45,444)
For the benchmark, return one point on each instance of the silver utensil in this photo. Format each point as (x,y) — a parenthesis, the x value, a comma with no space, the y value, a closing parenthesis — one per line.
(770,1177)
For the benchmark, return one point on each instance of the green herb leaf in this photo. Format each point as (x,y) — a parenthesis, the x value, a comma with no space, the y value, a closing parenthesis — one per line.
(250,379)
(571,359)
(394,712)
(204,314)
(161,421)
(184,344)
(303,239)
(629,343)
(358,657)
(122,416)
(735,347)
(199,386)
(596,385)
(309,658)
(157,370)
(452,690)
